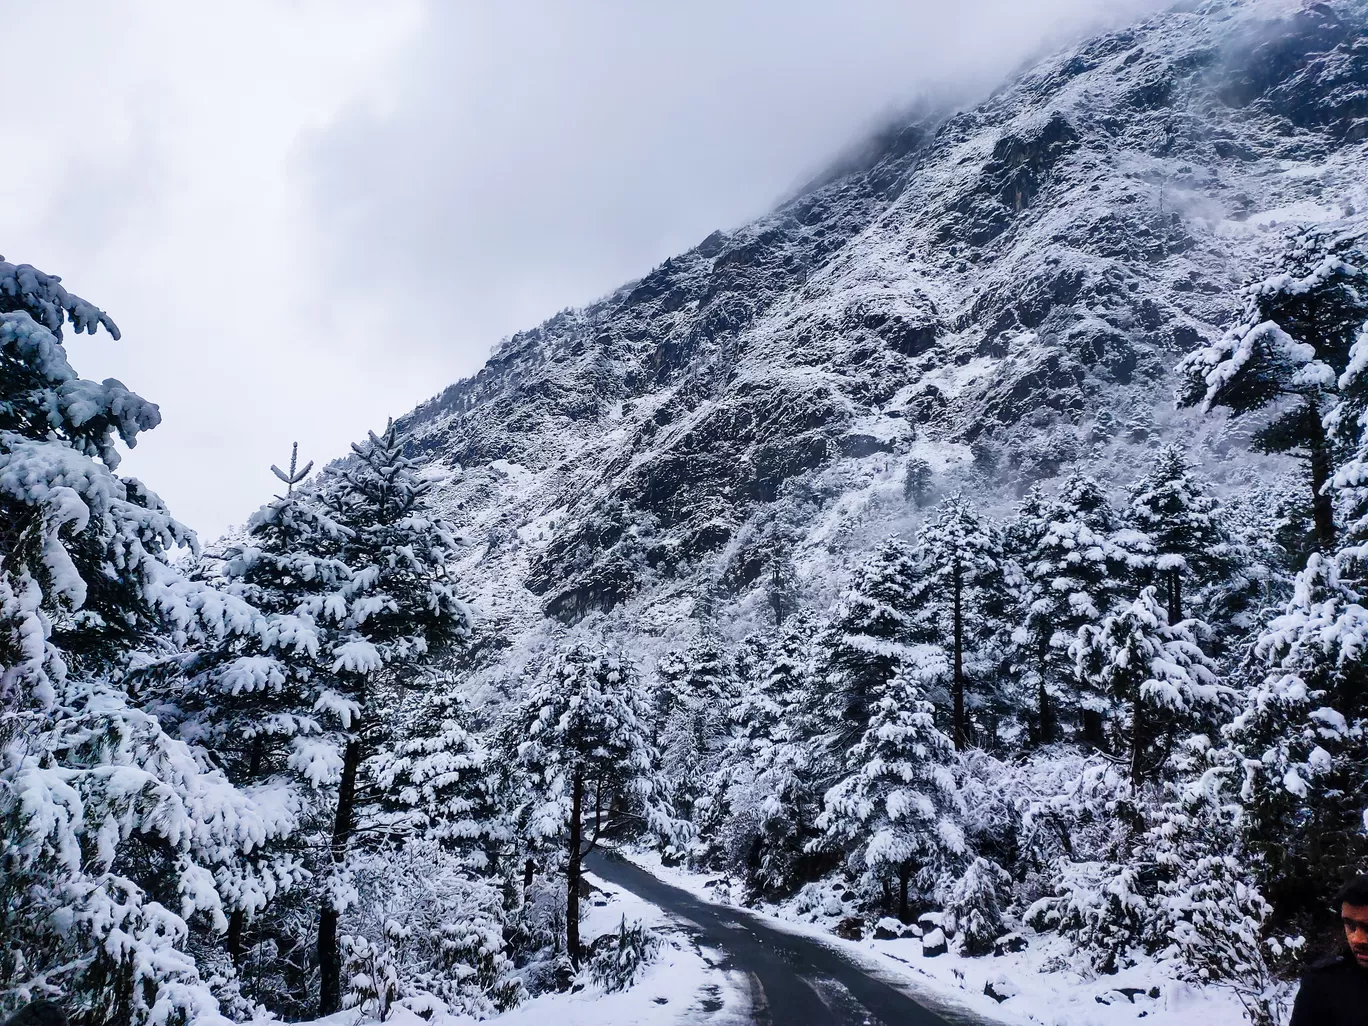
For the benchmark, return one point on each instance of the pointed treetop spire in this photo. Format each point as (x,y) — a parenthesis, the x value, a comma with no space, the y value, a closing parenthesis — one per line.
(294,476)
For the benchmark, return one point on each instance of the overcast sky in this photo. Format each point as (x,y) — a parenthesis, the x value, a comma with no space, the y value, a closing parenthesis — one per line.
(308,216)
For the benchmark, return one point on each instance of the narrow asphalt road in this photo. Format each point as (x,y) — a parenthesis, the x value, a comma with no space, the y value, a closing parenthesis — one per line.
(795,981)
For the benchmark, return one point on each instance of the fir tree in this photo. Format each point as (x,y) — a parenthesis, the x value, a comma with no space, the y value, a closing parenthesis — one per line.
(917,481)
(1154,673)
(1074,561)
(1292,340)
(766,793)
(959,592)
(1303,737)
(438,781)
(699,723)
(402,610)
(897,812)
(781,587)
(1303,733)
(112,832)
(871,635)
(253,705)
(591,771)
(1189,543)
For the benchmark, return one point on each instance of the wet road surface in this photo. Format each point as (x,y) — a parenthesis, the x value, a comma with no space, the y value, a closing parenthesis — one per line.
(794,980)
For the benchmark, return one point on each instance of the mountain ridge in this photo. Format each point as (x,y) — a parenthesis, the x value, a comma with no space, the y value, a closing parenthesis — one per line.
(1000,291)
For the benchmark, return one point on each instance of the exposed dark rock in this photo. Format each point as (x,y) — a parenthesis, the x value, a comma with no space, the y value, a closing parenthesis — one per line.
(850,928)
(999,273)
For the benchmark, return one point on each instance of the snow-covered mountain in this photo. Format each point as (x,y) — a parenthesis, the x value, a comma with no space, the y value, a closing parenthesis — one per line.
(1000,291)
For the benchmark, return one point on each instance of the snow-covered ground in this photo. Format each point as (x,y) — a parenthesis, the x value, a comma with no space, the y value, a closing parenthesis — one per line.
(684,985)
(1047,987)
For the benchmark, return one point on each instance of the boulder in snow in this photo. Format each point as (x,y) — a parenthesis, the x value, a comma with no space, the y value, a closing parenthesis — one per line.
(850,928)
(999,988)
(1009,942)
(888,928)
(934,943)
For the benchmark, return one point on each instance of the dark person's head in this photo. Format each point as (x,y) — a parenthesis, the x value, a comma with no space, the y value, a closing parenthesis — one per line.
(1353,902)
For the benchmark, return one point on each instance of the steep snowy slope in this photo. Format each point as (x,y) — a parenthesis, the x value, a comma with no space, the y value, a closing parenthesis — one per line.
(1000,291)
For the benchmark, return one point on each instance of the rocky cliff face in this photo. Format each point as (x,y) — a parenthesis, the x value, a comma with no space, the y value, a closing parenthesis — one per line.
(999,291)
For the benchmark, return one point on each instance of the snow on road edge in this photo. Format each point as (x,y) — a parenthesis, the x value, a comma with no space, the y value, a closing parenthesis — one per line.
(1050,989)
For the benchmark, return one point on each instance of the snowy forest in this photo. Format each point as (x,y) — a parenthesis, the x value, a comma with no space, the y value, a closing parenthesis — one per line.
(247,775)
(311,766)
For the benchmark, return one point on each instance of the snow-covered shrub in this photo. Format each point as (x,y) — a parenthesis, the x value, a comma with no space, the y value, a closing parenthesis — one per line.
(1099,907)
(443,929)
(619,962)
(973,909)
(372,980)
(896,814)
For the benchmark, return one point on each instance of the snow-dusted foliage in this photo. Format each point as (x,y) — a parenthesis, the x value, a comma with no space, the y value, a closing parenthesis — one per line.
(118,840)
(1153,673)
(897,813)
(590,770)
(429,935)
(620,960)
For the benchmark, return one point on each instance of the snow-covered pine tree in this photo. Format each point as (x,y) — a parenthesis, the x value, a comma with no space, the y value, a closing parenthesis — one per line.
(897,812)
(252,706)
(1032,656)
(1292,339)
(973,907)
(403,610)
(1075,560)
(590,769)
(1210,917)
(1303,736)
(1154,674)
(769,786)
(437,780)
(111,831)
(698,726)
(1190,544)
(870,635)
(667,689)
(917,478)
(959,594)
(1303,732)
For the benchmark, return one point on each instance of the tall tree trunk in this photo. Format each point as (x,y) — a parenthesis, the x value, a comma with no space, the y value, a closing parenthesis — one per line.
(1046,713)
(572,872)
(237,923)
(904,874)
(958,585)
(329,954)
(1322,507)
(1093,735)
(1137,737)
